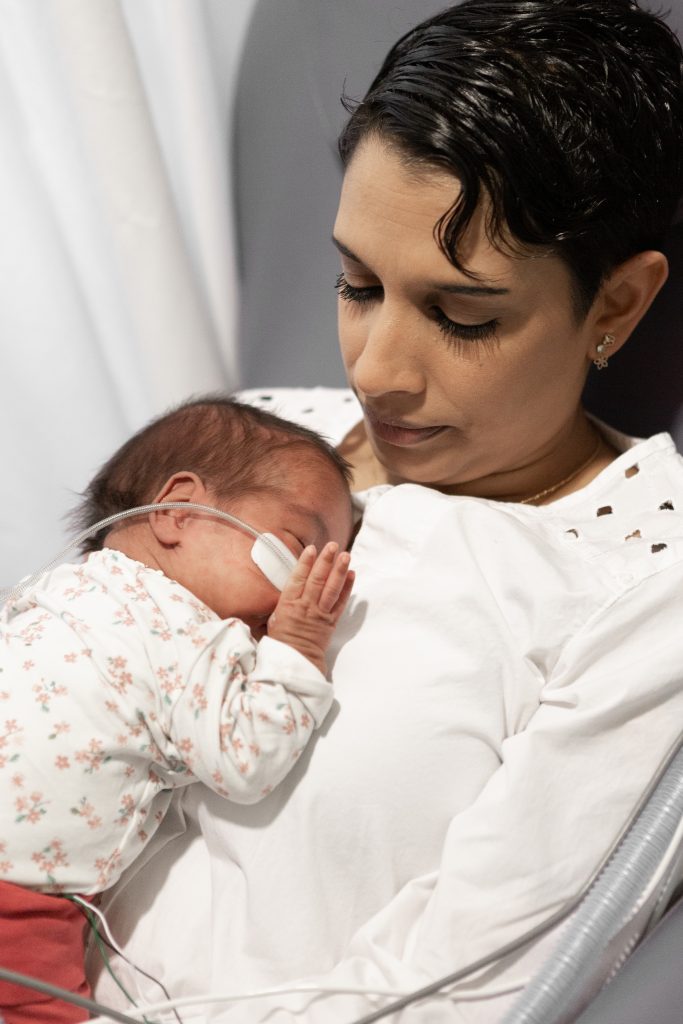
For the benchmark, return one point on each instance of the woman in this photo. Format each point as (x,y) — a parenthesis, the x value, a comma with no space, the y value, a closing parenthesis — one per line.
(509,675)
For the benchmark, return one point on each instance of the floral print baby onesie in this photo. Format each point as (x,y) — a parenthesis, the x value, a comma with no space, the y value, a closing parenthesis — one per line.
(117,685)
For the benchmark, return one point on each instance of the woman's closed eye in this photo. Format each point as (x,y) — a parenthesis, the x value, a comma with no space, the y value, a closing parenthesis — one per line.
(361,296)
(464,332)
(450,328)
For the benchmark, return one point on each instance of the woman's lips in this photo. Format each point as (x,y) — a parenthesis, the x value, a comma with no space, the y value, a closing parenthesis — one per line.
(401,434)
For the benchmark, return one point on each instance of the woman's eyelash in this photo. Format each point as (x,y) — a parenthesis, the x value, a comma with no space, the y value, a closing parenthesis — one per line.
(359,295)
(452,330)
(466,332)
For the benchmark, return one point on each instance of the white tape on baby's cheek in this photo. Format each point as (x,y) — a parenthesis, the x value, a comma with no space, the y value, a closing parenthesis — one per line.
(273,558)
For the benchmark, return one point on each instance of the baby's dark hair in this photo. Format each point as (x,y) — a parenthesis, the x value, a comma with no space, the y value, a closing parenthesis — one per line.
(235,449)
(568,114)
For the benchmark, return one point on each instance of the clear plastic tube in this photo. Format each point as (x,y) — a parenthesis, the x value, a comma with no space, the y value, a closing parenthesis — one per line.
(12,593)
(558,991)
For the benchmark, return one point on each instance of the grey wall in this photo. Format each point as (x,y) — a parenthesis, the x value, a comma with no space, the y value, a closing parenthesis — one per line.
(299,56)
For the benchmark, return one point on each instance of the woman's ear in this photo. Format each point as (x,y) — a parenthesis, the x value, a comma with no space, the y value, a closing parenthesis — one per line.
(626,295)
(168,526)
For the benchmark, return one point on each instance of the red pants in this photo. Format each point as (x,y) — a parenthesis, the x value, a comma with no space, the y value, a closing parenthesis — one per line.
(42,936)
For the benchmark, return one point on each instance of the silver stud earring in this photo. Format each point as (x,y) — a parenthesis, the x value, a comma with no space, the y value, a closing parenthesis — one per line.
(601,359)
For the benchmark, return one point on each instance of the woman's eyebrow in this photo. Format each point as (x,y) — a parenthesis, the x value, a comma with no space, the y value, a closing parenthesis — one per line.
(344,251)
(456,289)
(471,289)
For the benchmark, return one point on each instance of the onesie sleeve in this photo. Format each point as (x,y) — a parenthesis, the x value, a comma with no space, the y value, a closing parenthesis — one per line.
(240,714)
(567,788)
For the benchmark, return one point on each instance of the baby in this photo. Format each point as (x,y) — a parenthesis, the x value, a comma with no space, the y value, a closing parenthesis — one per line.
(166,658)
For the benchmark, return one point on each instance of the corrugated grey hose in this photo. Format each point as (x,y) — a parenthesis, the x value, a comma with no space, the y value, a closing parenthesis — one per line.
(555,995)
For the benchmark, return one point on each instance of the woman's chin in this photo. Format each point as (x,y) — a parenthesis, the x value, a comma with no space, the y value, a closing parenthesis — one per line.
(415,463)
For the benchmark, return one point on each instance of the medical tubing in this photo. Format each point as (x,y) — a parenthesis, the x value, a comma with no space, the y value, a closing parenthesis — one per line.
(555,993)
(438,986)
(11,593)
(67,997)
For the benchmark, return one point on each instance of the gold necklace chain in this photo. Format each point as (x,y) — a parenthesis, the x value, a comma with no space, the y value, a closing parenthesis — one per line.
(567,479)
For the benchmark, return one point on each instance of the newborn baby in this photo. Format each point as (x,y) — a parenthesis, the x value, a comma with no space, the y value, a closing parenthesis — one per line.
(166,658)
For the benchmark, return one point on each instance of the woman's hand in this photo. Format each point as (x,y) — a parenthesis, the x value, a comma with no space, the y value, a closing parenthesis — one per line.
(312,602)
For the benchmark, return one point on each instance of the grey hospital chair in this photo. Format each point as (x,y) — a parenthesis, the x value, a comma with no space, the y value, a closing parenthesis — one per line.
(298,56)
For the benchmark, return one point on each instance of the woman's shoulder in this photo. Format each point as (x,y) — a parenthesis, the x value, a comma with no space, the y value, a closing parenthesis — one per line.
(630,517)
(331,412)
(646,476)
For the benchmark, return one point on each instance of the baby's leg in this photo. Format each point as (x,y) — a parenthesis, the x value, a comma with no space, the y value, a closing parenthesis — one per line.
(43,936)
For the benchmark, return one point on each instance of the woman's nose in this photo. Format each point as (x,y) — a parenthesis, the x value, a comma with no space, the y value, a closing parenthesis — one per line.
(388,357)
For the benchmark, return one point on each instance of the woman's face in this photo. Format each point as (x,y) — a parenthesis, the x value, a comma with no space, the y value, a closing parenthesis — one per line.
(462,381)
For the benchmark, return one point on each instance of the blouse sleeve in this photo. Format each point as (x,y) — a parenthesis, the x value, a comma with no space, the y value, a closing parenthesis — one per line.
(566,789)
(241,713)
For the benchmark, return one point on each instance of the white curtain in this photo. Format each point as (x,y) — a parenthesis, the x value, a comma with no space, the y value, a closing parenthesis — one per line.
(117,267)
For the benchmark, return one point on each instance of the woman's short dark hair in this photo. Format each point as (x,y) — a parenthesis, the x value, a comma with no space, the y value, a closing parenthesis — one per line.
(234,448)
(567,113)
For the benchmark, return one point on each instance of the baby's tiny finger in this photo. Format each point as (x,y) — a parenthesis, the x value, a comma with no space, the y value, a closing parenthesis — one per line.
(294,587)
(320,572)
(335,583)
(345,594)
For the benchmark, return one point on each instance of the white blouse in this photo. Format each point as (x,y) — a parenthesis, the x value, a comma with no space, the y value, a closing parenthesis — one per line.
(508,682)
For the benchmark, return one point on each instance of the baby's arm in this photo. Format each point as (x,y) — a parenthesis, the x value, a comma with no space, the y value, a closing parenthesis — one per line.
(241,712)
(312,602)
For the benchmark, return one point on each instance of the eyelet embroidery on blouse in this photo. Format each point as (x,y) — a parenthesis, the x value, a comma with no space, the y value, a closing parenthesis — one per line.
(632,470)
(606,510)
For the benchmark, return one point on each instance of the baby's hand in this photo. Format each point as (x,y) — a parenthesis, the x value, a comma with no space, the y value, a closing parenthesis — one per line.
(312,602)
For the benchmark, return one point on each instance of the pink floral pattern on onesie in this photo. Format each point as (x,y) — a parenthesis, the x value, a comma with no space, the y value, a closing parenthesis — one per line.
(117,687)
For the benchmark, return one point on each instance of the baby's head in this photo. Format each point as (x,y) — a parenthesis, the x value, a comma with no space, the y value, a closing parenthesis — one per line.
(278,477)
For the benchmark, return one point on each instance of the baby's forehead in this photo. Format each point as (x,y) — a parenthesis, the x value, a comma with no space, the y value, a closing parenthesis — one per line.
(307,467)
(310,489)
(318,494)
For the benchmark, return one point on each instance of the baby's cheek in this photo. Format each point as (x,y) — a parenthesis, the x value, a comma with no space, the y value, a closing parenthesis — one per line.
(258,624)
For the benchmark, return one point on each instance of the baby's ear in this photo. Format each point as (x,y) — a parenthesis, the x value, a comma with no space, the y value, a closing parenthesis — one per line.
(168,526)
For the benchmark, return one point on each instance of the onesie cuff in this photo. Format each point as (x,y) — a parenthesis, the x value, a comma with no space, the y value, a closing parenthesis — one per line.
(277,662)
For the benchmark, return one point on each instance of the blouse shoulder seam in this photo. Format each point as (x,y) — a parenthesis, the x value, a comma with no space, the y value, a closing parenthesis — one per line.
(612,600)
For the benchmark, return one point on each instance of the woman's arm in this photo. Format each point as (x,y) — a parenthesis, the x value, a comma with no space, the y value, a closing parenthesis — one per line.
(540,829)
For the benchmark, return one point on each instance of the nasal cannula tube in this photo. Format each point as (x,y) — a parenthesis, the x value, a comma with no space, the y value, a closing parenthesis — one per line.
(271,544)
